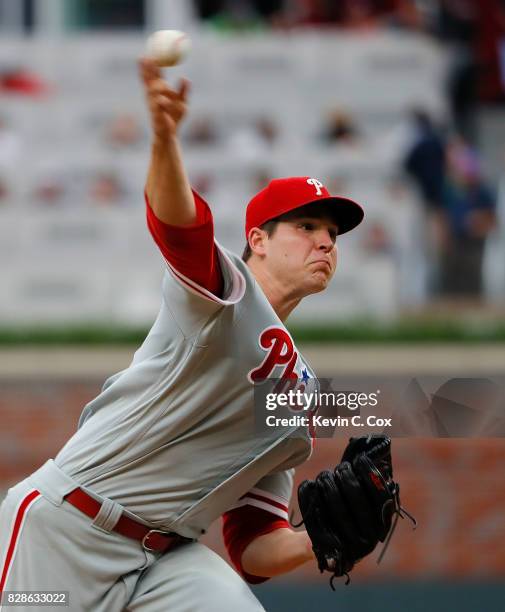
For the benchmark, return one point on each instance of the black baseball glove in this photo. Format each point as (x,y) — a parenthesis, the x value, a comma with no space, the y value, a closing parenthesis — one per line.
(349,510)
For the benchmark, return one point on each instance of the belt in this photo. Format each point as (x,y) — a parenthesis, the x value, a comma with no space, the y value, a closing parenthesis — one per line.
(152,540)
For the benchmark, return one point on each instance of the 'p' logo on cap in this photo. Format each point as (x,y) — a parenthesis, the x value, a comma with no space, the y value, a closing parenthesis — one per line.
(282,195)
(317,184)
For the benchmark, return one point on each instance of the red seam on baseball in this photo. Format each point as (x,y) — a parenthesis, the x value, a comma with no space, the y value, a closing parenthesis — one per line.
(179,39)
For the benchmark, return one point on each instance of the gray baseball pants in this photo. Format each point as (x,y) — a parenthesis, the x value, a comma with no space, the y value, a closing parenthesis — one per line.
(48,545)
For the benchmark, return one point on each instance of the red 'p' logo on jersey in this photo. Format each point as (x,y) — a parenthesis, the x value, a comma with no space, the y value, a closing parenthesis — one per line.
(280,352)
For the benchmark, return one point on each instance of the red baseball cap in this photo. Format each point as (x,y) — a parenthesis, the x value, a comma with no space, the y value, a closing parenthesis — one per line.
(285,194)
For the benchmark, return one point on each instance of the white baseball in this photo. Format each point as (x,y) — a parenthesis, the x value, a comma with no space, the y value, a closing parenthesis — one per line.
(168,47)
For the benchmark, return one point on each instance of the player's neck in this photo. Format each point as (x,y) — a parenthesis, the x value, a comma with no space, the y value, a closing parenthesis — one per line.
(281,299)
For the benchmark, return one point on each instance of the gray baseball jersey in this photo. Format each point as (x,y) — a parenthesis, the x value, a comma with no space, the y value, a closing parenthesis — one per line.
(170,441)
(172,437)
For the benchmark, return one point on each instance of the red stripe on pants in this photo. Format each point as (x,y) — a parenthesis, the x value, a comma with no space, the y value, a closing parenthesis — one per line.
(15,534)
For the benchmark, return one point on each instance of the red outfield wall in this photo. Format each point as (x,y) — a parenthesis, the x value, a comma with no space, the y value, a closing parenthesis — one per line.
(455,488)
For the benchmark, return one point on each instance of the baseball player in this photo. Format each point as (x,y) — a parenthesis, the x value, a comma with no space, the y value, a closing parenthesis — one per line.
(169,444)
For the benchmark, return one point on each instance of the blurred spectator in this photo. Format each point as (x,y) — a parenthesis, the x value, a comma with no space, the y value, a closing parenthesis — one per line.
(373,13)
(425,162)
(106,189)
(251,140)
(266,130)
(490,41)
(356,14)
(319,12)
(260,179)
(203,182)
(344,13)
(22,82)
(238,14)
(201,131)
(123,132)
(469,205)
(458,30)
(4,191)
(49,192)
(339,128)
(360,14)
(425,158)
(472,32)
(377,240)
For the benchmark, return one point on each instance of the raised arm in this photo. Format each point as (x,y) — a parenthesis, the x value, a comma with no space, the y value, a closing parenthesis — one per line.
(167,185)
(179,220)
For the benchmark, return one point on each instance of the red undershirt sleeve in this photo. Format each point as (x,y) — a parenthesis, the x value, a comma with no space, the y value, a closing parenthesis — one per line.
(243,525)
(190,249)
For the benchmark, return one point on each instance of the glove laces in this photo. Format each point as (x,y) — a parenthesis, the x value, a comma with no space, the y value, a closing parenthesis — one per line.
(399,512)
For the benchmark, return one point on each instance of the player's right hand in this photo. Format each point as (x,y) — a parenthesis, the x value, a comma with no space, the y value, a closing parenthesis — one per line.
(167,106)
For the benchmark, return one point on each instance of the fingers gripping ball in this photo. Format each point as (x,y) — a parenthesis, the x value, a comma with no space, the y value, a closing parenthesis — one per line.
(168,47)
(349,510)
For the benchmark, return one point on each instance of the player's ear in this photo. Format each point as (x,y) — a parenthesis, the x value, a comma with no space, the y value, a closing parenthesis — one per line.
(257,239)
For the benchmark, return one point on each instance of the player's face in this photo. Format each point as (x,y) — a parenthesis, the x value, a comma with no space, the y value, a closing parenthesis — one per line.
(302,253)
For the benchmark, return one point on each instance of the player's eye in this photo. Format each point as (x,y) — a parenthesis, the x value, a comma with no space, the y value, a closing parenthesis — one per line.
(306,225)
(333,234)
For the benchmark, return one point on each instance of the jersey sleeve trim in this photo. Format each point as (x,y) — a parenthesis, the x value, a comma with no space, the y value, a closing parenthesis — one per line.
(264,500)
(238,283)
(242,526)
(222,262)
(190,249)
(277,499)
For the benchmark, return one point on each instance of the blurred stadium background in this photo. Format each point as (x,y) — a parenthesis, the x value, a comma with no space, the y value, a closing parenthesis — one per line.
(397,103)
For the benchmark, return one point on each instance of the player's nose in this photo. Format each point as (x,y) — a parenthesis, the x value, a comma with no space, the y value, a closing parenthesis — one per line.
(323,239)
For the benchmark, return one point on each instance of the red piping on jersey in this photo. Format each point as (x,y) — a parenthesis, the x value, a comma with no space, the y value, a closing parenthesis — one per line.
(266,500)
(194,287)
(15,534)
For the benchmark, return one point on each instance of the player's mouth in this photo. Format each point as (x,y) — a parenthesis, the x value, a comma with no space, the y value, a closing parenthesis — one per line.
(324,262)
